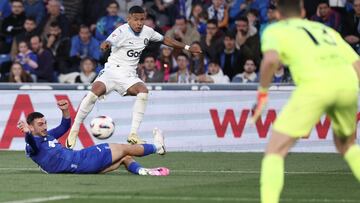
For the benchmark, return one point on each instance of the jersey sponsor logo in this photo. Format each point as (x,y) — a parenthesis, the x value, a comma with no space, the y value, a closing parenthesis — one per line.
(132,53)
(146,41)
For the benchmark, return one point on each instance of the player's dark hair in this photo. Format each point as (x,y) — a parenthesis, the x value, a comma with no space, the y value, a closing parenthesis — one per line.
(32,116)
(289,7)
(136,9)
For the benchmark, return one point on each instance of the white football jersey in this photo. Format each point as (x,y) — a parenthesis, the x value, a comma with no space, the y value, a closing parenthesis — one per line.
(127,46)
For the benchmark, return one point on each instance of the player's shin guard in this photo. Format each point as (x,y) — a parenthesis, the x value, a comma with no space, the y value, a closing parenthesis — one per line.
(272,178)
(352,157)
(138,111)
(87,104)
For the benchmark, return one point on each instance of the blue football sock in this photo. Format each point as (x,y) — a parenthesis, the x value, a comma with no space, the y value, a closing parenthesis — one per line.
(134,167)
(149,149)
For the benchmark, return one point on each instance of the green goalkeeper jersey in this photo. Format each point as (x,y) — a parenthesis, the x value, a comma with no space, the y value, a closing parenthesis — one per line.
(314,52)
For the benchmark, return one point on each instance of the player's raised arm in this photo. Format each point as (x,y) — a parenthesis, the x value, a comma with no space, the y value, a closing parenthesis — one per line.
(65,122)
(179,45)
(268,67)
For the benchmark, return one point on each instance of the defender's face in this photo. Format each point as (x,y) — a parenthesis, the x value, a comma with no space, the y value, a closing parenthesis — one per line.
(136,21)
(39,127)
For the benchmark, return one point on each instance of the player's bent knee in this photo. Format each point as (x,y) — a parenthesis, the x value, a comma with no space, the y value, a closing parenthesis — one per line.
(98,88)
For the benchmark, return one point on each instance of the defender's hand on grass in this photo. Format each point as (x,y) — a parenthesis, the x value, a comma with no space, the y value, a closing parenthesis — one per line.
(259,106)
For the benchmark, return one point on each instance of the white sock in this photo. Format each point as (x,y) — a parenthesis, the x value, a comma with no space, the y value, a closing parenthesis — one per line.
(143,171)
(138,111)
(87,104)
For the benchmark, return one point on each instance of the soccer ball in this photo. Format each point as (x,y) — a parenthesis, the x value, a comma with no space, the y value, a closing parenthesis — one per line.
(102,127)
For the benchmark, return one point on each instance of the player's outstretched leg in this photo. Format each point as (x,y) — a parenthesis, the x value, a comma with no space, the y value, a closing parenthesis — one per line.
(135,168)
(272,168)
(141,92)
(119,151)
(87,104)
(351,152)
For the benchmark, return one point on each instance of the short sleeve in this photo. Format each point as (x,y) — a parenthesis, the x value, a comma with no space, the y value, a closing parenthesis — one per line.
(116,38)
(156,37)
(270,40)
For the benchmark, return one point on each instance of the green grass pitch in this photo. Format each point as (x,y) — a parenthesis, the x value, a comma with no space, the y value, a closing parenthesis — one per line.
(195,177)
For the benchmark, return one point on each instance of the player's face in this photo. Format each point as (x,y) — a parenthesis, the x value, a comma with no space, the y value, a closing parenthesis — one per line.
(136,21)
(39,127)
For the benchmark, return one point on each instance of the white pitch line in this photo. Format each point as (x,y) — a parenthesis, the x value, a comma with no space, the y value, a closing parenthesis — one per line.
(213,199)
(41,199)
(220,171)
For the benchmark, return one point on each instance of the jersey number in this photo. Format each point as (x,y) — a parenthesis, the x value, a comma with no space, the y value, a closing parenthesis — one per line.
(326,37)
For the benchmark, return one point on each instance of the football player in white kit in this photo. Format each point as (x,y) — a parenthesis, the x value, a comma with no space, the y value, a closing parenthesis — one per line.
(126,43)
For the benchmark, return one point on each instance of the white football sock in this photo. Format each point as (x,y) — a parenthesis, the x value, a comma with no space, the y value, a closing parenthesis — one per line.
(87,104)
(138,111)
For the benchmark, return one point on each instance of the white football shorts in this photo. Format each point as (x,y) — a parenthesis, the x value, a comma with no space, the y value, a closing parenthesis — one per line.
(117,79)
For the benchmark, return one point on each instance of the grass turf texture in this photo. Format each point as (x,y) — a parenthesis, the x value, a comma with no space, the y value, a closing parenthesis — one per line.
(195,177)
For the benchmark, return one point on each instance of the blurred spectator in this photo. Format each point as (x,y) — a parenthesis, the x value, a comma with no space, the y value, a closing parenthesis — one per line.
(351,27)
(249,75)
(93,10)
(183,32)
(126,5)
(214,75)
(229,58)
(198,62)
(219,11)
(107,24)
(87,74)
(153,47)
(54,14)
(339,6)
(327,16)
(253,18)
(272,17)
(73,9)
(30,29)
(281,75)
(198,18)
(167,61)
(213,40)
(27,58)
(59,45)
(36,9)
(16,74)
(247,41)
(149,73)
(183,75)
(241,7)
(165,12)
(5,9)
(84,45)
(12,25)
(45,71)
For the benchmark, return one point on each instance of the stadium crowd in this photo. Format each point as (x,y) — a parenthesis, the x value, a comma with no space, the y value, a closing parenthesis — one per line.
(58,40)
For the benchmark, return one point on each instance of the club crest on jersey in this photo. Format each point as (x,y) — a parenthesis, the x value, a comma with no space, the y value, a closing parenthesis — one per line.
(146,41)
